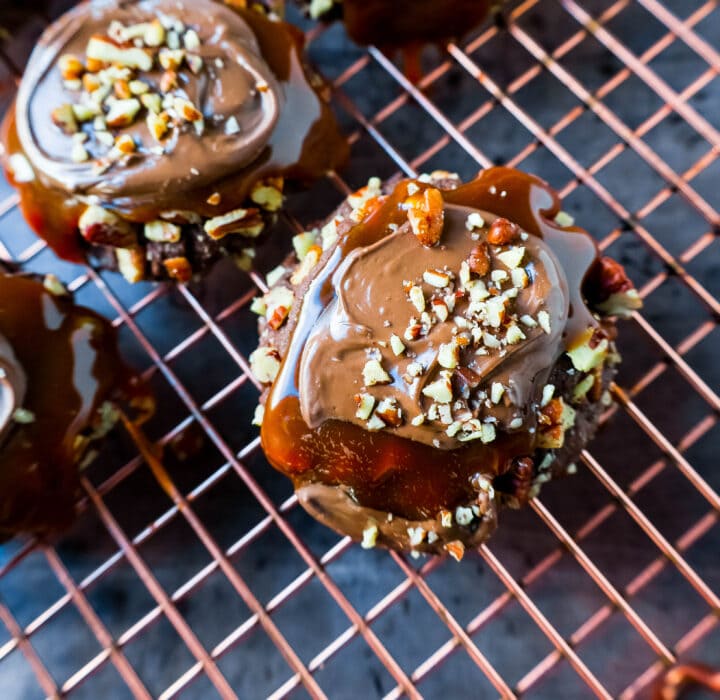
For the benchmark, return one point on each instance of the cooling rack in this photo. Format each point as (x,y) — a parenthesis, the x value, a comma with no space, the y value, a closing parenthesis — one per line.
(221,585)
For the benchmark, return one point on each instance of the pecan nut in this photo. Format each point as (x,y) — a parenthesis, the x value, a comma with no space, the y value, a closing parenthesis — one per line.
(178,269)
(479,260)
(102,227)
(426,214)
(606,278)
(502,231)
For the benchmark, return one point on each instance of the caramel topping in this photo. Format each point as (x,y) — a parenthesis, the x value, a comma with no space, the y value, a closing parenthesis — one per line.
(339,510)
(680,677)
(63,366)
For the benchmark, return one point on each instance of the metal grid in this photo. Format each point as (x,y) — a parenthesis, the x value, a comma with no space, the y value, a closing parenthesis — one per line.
(601,584)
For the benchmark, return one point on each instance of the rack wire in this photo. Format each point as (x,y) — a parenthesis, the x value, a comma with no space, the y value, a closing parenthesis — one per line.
(606,580)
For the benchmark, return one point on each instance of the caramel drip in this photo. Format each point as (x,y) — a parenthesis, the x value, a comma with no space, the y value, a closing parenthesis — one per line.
(70,358)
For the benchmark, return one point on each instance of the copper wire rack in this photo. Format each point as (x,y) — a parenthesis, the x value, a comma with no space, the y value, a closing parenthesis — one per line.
(219,584)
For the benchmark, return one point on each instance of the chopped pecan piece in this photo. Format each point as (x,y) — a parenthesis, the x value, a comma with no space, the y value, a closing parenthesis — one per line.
(168,81)
(103,50)
(373,373)
(426,215)
(20,168)
(479,260)
(158,124)
(554,420)
(265,364)
(246,222)
(160,231)
(187,110)
(64,118)
(90,82)
(365,403)
(502,231)
(611,289)
(278,316)
(389,412)
(589,351)
(121,88)
(309,261)
(441,389)
(131,263)
(103,227)
(523,469)
(125,144)
(171,60)
(154,33)
(268,193)
(456,549)
(71,68)
(608,277)
(178,269)
(122,113)
(152,102)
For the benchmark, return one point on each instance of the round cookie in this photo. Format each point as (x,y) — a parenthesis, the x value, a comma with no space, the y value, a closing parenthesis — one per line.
(438,351)
(157,136)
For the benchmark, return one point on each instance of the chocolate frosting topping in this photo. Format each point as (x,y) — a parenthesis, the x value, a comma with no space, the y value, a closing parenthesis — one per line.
(370,303)
(236,92)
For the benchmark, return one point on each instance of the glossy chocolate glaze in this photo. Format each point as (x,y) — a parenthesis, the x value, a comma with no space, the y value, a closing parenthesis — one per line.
(381,470)
(68,358)
(330,370)
(286,128)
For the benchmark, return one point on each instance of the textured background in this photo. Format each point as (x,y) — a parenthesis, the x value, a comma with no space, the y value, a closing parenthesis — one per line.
(192,331)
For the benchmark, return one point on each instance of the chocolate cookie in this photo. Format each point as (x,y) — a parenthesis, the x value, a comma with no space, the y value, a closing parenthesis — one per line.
(438,351)
(157,135)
